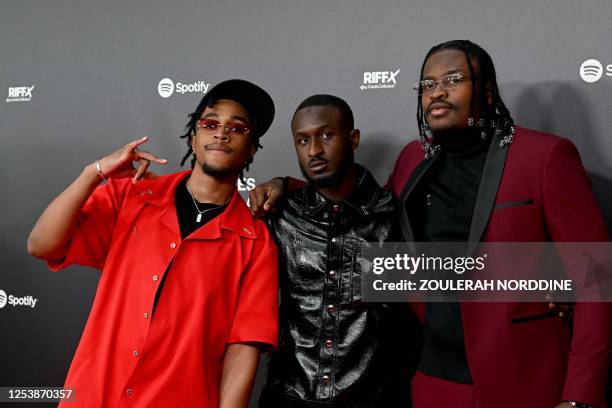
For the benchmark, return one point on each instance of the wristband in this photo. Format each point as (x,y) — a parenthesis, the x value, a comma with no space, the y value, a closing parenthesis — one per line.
(99,170)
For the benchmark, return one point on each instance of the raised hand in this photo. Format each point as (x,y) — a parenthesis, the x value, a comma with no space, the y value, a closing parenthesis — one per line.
(54,229)
(120,164)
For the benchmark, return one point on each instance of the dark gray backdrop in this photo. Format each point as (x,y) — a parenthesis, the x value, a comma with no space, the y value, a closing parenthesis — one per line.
(95,68)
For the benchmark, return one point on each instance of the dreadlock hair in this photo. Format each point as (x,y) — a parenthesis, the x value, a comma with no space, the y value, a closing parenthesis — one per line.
(190,128)
(495,114)
(329,100)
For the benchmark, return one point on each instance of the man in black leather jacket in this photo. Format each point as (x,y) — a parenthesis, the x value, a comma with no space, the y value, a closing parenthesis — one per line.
(335,351)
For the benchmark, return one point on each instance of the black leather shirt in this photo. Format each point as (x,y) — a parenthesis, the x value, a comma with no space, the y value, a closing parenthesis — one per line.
(335,350)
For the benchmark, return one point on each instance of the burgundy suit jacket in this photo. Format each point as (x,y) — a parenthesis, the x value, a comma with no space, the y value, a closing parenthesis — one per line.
(533,190)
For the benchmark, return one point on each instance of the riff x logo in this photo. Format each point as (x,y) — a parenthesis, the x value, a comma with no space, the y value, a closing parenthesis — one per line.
(19,93)
(379,79)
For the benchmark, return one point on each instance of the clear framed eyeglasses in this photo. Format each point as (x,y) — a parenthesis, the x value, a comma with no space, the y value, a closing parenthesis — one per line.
(447,83)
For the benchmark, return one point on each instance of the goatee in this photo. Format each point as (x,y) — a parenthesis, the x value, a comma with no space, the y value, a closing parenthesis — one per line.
(336,177)
(219,172)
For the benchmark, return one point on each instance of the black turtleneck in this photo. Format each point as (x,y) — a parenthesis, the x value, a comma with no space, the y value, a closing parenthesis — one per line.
(440,210)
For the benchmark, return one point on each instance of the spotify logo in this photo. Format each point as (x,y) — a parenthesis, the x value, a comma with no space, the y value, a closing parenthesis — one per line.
(165,88)
(2,298)
(591,71)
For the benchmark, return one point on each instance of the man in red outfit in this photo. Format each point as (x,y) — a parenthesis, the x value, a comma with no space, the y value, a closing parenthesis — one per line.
(188,290)
(483,180)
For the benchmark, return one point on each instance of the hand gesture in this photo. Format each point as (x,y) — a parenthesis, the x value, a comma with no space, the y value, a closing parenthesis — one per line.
(120,164)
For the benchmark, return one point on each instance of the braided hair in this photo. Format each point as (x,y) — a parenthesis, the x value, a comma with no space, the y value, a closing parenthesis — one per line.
(495,114)
(191,125)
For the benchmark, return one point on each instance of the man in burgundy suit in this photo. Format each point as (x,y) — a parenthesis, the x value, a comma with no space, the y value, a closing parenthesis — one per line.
(475,177)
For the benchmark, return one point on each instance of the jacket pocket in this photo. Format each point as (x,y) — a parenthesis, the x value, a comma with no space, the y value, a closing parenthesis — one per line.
(531,318)
(516,203)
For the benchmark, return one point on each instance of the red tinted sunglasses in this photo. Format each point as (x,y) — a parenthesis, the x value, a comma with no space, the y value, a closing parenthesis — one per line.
(211,125)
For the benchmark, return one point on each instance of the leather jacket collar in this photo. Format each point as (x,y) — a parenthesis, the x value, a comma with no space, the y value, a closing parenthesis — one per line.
(364,199)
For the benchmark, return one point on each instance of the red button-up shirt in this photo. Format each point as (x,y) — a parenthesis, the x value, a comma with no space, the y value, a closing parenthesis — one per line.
(221,288)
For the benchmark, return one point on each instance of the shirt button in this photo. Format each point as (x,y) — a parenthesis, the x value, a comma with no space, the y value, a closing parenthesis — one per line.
(332,274)
(129,391)
(329,343)
(136,353)
(146,315)
(334,240)
(155,277)
(336,208)
(331,308)
(173,245)
(326,379)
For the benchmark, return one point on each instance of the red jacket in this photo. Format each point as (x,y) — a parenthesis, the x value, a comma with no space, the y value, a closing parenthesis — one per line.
(221,287)
(534,363)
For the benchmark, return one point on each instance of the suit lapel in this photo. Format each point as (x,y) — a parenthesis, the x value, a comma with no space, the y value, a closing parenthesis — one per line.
(413,180)
(487,191)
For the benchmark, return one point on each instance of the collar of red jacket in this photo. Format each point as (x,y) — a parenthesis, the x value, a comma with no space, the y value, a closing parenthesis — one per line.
(161,191)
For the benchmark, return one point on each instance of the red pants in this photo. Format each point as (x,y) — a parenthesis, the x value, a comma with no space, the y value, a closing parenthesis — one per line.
(432,392)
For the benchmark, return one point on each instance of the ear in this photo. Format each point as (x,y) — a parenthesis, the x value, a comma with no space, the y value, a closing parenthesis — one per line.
(354,137)
(192,140)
